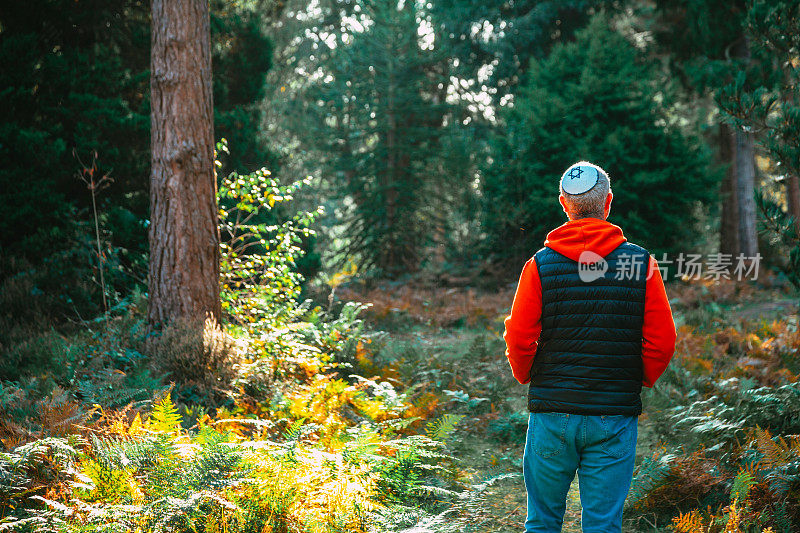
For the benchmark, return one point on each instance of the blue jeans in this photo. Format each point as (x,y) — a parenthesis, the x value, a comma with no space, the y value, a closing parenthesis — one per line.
(601,448)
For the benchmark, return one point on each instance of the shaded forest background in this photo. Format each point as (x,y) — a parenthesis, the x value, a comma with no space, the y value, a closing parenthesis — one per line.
(433,132)
(404,155)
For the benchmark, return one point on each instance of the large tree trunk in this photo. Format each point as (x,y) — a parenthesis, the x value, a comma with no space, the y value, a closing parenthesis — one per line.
(184,236)
(742,175)
(729,212)
(738,214)
(745,169)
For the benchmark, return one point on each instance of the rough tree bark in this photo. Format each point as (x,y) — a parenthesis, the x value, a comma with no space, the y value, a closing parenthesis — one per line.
(742,181)
(184,236)
(738,215)
(745,169)
(729,212)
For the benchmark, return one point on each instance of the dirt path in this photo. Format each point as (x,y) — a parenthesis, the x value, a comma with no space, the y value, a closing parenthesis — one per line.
(504,500)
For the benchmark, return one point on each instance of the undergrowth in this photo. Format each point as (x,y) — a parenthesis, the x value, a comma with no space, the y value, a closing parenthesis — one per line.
(726,415)
(298,417)
(273,422)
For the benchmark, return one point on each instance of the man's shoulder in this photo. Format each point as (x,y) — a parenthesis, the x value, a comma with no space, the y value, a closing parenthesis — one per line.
(632,248)
(545,253)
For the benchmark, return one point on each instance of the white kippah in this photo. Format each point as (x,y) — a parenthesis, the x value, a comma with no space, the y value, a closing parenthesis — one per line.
(580,177)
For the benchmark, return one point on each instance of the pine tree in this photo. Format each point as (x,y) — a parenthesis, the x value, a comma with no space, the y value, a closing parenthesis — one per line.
(75,76)
(71,79)
(507,35)
(709,48)
(241,55)
(183,279)
(594,99)
(766,98)
(374,117)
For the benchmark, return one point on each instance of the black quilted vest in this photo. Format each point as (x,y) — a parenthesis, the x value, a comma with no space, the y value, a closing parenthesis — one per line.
(589,359)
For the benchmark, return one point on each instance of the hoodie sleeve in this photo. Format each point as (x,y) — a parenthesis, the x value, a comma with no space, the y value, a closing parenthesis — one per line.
(658,329)
(523,324)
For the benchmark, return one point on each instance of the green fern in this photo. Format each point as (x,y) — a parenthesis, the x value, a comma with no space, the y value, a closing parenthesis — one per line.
(780,515)
(165,417)
(362,448)
(294,431)
(443,427)
(23,471)
(216,465)
(742,484)
(651,474)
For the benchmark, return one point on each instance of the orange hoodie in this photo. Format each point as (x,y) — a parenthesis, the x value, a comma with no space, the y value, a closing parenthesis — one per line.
(523,324)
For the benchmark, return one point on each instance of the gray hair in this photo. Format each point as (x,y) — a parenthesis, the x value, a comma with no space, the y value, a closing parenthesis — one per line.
(590,204)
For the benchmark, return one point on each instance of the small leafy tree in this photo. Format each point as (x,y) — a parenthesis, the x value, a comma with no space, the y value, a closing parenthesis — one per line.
(259,278)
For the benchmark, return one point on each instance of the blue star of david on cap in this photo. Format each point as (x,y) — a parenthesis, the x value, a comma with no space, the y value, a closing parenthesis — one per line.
(580,178)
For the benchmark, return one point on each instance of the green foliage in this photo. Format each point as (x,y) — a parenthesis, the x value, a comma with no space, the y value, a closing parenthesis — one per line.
(169,489)
(259,278)
(75,80)
(729,452)
(778,222)
(742,484)
(146,481)
(650,474)
(704,39)
(28,469)
(165,417)
(594,99)
(776,460)
(101,362)
(510,35)
(510,427)
(377,124)
(415,472)
(341,334)
(68,86)
(156,476)
(719,418)
(441,428)
(60,283)
(241,56)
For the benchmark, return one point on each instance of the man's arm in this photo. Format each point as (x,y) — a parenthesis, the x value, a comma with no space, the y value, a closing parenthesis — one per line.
(658,330)
(523,324)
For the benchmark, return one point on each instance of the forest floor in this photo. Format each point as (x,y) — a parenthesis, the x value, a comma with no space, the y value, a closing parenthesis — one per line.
(414,390)
(448,342)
